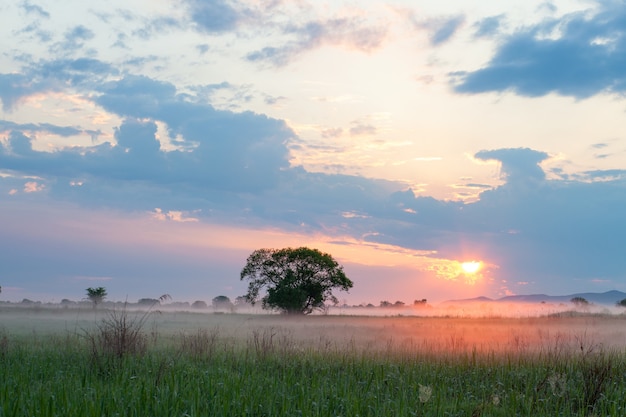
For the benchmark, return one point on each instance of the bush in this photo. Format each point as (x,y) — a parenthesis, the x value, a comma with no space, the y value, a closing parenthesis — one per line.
(119,335)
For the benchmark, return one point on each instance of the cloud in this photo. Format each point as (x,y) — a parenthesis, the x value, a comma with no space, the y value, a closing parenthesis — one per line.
(563,228)
(349,32)
(33,187)
(285,30)
(34,9)
(360,127)
(222,152)
(92,278)
(518,165)
(173,215)
(332,132)
(489,26)
(215,16)
(234,168)
(17,144)
(74,39)
(157,25)
(65,131)
(580,54)
(51,76)
(440,29)
(606,174)
(443,29)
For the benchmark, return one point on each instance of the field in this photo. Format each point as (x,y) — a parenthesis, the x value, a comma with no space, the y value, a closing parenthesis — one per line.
(123,363)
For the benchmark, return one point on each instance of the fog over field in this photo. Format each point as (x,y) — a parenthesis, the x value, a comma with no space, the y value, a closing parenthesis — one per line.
(523,334)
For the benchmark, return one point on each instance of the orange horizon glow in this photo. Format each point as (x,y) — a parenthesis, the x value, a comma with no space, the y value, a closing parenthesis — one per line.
(178,234)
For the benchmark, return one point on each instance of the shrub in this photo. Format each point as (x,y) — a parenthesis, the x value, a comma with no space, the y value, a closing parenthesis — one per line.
(119,335)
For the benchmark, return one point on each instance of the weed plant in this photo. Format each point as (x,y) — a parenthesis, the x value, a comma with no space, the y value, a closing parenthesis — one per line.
(272,373)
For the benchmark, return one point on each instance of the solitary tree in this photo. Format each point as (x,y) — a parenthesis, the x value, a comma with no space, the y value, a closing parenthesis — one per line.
(96,295)
(621,303)
(296,281)
(221,301)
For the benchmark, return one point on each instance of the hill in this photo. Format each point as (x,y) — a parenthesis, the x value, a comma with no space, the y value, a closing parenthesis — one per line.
(605,298)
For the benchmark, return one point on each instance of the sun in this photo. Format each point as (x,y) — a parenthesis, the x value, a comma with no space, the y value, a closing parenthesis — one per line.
(471,267)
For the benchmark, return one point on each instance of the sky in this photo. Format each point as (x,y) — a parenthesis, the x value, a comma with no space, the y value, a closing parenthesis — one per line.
(149,146)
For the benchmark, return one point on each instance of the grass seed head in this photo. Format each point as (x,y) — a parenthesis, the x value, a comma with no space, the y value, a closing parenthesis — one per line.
(425,392)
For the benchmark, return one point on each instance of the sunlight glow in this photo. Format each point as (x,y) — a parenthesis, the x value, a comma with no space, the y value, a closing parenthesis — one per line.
(471,267)
(469,272)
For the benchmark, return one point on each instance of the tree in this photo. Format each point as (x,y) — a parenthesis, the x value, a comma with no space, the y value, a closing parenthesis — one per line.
(148,302)
(296,280)
(221,301)
(241,301)
(199,304)
(96,295)
(621,303)
(579,302)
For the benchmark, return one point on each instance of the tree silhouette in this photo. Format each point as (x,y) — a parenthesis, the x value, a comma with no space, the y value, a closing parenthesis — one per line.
(221,301)
(580,302)
(96,295)
(296,281)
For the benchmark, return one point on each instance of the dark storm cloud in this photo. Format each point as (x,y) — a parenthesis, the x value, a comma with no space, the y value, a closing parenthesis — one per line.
(580,54)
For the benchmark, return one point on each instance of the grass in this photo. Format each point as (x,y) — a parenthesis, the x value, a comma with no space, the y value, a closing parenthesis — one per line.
(321,366)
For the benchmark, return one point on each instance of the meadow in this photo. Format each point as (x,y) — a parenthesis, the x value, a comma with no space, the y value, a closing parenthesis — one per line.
(124,363)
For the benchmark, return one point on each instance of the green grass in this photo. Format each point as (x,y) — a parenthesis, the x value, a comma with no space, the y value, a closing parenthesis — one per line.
(265,368)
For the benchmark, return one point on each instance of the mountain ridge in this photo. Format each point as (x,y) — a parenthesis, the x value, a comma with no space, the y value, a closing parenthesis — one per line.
(606,298)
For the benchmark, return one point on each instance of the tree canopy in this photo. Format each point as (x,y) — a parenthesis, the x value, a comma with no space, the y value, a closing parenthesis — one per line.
(221,301)
(296,280)
(580,301)
(96,295)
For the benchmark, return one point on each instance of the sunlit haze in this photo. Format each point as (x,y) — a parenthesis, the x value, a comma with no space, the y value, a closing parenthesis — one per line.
(471,267)
(438,150)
